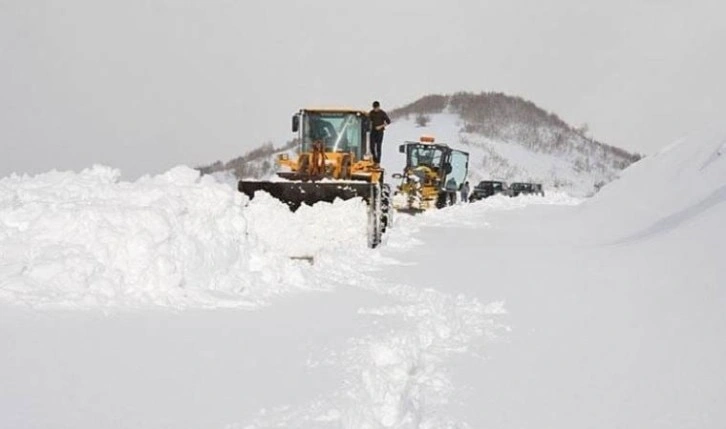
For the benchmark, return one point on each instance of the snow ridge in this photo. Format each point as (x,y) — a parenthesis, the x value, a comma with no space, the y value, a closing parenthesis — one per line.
(176,240)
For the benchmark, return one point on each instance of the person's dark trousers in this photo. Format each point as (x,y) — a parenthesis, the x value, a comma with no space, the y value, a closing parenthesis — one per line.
(376,141)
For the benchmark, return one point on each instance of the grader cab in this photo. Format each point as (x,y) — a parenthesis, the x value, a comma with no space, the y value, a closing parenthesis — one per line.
(432,176)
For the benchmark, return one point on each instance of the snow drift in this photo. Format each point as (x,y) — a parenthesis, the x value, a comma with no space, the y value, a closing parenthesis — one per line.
(175,239)
(675,186)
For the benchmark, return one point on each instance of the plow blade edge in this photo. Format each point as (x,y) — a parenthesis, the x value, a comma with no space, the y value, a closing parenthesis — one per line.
(295,194)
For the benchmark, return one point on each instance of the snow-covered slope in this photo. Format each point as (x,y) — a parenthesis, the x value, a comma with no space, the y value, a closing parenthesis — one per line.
(676,186)
(258,163)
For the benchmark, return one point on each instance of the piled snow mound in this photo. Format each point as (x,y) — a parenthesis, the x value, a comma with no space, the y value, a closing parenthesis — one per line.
(311,230)
(680,182)
(176,239)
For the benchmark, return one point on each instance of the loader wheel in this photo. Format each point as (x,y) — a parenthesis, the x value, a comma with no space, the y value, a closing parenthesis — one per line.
(442,200)
(386,212)
(375,218)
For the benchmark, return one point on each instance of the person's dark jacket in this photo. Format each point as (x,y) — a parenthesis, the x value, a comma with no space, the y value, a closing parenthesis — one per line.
(378,118)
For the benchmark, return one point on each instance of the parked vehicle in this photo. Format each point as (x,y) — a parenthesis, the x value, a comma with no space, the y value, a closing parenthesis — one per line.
(487,188)
(518,188)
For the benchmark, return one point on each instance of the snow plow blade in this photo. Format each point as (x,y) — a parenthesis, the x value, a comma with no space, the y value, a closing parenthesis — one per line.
(410,211)
(295,194)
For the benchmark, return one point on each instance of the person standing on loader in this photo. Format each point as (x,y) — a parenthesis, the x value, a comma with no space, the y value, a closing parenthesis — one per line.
(379,119)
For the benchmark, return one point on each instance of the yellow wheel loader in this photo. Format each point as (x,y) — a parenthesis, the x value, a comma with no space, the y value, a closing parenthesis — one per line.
(331,163)
(433,175)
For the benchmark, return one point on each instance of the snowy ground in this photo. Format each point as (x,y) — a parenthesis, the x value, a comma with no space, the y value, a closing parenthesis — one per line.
(168,302)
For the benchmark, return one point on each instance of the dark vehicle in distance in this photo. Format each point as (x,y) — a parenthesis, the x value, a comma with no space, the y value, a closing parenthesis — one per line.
(522,188)
(487,188)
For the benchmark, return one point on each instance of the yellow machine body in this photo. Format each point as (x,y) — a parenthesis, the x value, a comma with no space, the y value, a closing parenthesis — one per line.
(432,176)
(330,163)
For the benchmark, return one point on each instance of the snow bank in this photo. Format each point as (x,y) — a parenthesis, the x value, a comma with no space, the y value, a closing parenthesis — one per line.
(661,191)
(176,239)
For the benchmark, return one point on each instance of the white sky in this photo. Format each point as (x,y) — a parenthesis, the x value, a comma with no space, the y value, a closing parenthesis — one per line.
(145,85)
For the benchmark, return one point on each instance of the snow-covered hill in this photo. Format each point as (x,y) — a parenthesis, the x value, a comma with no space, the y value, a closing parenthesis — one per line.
(491,159)
(520,312)
(508,139)
(512,139)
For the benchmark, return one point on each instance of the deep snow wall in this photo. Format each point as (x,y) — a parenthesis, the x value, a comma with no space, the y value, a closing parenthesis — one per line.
(176,239)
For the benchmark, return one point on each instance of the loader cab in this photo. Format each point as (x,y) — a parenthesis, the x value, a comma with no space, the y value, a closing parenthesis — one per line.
(339,130)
